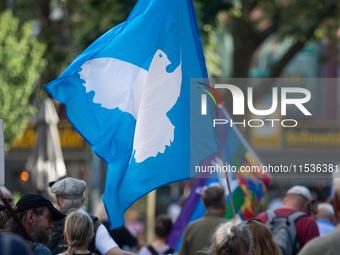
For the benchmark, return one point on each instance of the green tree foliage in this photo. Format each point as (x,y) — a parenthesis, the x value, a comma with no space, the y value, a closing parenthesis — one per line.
(56,33)
(104,15)
(83,21)
(77,24)
(20,64)
(250,23)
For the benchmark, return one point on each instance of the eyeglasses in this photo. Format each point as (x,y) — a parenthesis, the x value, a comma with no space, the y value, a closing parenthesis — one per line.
(254,219)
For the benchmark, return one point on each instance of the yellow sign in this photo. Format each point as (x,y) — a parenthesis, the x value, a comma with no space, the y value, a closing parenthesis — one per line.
(69,138)
(270,134)
(27,140)
(312,137)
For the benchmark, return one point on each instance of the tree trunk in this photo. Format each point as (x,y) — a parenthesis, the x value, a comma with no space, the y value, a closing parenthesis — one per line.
(244,48)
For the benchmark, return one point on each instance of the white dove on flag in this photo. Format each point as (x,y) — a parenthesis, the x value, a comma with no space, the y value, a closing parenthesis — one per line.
(148,96)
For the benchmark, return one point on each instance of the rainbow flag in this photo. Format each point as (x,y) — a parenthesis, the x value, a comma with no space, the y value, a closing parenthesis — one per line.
(247,188)
(238,153)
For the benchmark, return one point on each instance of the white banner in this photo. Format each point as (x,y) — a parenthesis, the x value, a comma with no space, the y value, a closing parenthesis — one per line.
(2,154)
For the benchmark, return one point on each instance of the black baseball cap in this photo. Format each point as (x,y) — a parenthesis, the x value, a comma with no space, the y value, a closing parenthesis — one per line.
(31,201)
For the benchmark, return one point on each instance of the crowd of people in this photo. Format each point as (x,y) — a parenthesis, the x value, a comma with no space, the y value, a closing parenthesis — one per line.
(68,229)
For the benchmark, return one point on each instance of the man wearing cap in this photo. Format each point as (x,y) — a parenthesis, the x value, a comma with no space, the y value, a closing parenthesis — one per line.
(297,199)
(70,195)
(36,214)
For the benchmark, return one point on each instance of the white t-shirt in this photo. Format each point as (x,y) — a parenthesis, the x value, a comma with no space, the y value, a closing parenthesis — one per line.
(104,241)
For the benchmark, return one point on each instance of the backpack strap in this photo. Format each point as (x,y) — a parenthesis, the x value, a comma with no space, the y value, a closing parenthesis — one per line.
(92,244)
(292,218)
(169,251)
(152,250)
(295,216)
(270,215)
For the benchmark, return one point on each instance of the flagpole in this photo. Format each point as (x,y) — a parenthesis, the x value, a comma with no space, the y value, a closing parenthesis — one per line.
(150,216)
(229,189)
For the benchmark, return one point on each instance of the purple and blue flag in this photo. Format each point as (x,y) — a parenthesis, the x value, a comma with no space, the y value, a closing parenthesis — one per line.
(247,187)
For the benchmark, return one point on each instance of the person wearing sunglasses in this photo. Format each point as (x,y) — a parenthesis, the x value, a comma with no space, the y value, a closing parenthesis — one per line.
(263,242)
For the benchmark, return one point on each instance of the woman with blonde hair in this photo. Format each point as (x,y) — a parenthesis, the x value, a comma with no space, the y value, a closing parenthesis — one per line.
(263,242)
(78,233)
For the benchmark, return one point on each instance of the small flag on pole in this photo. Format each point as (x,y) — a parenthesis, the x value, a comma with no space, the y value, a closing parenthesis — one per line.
(240,155)
(246,188)
(128,95)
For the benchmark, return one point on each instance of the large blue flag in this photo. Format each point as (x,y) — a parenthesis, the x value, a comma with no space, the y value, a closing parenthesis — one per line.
(128,95)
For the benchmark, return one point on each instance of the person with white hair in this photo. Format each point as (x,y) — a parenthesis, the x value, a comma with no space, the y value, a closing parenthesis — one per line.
(70,195)
(8,196)
(231,239)
(327,244)
(325,217)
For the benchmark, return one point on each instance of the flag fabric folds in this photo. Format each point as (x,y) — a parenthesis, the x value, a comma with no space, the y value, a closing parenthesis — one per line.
(247,188)
(253,184)
(128,95)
